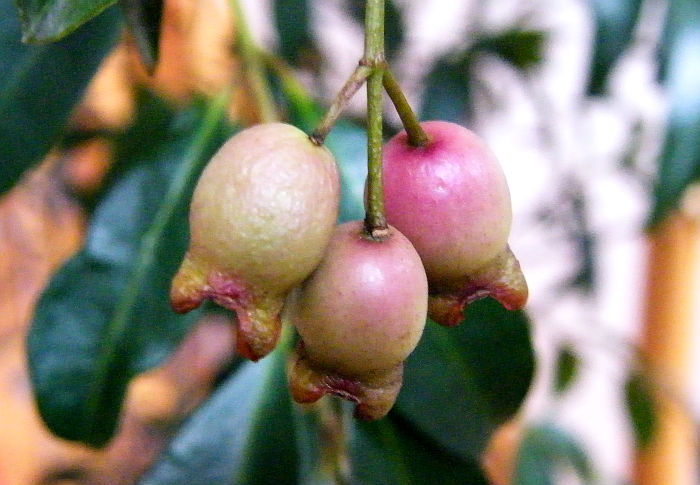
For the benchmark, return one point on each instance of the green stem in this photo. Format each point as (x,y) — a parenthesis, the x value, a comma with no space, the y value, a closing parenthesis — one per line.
(416,135)
(375,220)
(253,66)
(374,33)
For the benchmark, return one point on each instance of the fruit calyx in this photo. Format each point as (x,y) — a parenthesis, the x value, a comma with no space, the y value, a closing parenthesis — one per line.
(502,279)
(258,324)
(373,394)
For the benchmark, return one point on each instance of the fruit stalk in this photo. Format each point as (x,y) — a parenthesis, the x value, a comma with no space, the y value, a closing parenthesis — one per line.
(375,220)
(354,82)
(417,137)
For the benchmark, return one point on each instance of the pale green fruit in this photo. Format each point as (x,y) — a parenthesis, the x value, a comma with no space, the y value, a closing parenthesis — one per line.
(261,217)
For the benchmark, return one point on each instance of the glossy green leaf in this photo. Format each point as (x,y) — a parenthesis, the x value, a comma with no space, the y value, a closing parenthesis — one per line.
(388,452)
(244,434)
(105,315)
(680,158)
(614,25)
(523,49)
(544,451)
(447,92)
(40,85)
(296,40)
(144,19)
(641,408)
(462,382)
(567,367)
(50,20)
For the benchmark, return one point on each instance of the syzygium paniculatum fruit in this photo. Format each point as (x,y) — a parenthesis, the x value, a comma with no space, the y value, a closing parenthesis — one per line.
(261,216)
(359,315)
(450,198)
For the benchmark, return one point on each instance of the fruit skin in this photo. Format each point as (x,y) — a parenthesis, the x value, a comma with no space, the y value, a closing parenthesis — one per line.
(450,198)
(359,315)
(261,216)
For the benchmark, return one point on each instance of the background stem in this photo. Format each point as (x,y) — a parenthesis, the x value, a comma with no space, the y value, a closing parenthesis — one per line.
(253,67)
(375,220)
(671,455)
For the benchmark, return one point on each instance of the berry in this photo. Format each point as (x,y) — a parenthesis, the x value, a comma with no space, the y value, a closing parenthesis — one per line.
(261,216)
(359,315)
(451,200)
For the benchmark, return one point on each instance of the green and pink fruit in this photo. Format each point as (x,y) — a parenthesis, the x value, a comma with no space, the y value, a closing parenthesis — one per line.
(359,315)
(450,198)
(261,216)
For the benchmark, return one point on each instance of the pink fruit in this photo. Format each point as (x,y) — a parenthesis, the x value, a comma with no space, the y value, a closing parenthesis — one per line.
(450,198)
(261,217)
(359,315)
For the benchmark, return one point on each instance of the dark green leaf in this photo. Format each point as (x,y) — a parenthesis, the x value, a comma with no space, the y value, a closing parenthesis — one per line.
(447,92)
(641,408)
(388,452)
(614,23)
(50,20)
(243,434)
(545,450)
(40,85)
(296,41)
(462,382)
(144,19)
(105,316)
(523,49)
(566,369)
(680,158)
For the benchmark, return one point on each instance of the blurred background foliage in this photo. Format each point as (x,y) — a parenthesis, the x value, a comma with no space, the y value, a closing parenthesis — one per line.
(116,107)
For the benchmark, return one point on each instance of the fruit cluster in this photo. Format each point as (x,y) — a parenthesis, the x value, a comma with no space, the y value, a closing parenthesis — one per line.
(264,237)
